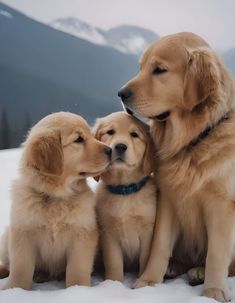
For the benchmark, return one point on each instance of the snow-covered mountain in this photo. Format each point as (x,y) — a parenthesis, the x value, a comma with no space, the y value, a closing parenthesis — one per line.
(127,39)
(4,13)
(79,29)
(130,39)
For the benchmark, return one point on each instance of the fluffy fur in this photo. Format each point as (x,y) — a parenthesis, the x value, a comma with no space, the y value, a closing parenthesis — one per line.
(197,205)
(126,221)
(53,228)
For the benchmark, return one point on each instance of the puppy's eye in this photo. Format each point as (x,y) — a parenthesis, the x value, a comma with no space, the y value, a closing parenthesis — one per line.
(159,71)
(110,132)
(134,134)
(80,139)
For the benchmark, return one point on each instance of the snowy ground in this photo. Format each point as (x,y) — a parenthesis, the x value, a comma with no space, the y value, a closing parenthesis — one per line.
(175,291)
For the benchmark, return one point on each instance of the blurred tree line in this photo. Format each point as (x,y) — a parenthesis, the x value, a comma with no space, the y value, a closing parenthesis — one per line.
(13,137)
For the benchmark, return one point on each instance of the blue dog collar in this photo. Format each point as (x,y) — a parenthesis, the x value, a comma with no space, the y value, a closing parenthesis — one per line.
(127,189)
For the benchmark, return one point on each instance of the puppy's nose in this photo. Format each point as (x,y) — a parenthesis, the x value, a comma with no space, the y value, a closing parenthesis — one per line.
(125,93)
(108,151)
(120,148)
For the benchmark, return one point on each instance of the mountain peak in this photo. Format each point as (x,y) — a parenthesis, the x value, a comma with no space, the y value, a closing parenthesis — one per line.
(79,29)
(5,13)
(128,39)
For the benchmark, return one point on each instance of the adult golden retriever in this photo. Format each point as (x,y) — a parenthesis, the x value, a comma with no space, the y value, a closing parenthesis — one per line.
(188,94)
(53,226)
(126,194)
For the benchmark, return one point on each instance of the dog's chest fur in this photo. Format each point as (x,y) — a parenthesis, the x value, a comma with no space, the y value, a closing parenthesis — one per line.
(52,216)
(196,182)
(127,216)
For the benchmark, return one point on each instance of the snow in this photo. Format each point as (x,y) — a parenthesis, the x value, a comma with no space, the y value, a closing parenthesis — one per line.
(174,291)
(126,39)
(79,29)
(5,14)
(134,45)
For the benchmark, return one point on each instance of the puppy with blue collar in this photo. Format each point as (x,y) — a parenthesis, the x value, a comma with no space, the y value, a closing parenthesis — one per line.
(126,194)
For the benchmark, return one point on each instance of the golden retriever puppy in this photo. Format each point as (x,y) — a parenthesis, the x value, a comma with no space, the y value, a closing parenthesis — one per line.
(126,194)
(53,223)
(188,94)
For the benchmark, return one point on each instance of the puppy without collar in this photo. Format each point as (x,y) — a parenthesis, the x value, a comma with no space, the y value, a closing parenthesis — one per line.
(53,226)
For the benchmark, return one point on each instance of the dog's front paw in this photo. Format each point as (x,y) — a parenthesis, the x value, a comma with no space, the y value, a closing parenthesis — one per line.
(221,295)
(16,284)
(115,276)
(142,283)
(7,286)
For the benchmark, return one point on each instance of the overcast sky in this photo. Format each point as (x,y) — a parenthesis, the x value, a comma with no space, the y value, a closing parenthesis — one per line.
(212,19)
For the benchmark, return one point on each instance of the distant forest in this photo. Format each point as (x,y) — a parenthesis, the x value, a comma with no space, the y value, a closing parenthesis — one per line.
(11,137)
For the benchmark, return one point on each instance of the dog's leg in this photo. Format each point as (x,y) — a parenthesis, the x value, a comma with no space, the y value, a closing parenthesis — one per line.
(22,261)
(145,246)
(220,242)
(165,234)
(113,258)
(80,260)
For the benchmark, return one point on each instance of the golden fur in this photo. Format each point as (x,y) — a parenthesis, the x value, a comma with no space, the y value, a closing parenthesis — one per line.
(197,205)
(126,221)
(53,226)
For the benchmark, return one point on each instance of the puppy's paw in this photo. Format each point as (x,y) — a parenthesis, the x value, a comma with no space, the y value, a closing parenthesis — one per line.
(196,275)
(142,283)
(115,277)
(16,284)
(221,295)
(7,286)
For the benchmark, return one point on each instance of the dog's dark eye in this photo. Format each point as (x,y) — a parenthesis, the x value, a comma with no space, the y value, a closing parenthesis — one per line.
(159,71)
(110,132)
(80,139)
(134,135)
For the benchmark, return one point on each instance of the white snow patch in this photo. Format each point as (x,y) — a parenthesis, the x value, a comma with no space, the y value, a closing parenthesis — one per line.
(173,291)
(133,45)
(5,14)
(80,30)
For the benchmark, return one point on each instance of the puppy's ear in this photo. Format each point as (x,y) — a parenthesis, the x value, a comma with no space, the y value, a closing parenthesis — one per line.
(149,158)
(202,76)
(97,134)
(96,129)
(46,154)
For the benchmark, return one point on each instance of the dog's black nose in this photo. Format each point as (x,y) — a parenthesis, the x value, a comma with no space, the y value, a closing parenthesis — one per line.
(125,93)
(108,151)
(120,148)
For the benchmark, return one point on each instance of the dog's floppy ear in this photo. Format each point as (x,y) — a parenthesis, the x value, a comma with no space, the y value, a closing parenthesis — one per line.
(202,76)
(149,158)
(96,129)
(97,134)
(45,153)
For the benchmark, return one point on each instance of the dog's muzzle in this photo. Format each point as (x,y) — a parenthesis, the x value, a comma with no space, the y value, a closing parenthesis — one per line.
(125,93)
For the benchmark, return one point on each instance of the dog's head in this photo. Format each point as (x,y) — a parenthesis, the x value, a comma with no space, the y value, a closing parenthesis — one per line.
(62,145)
(176,73)
(132,147)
